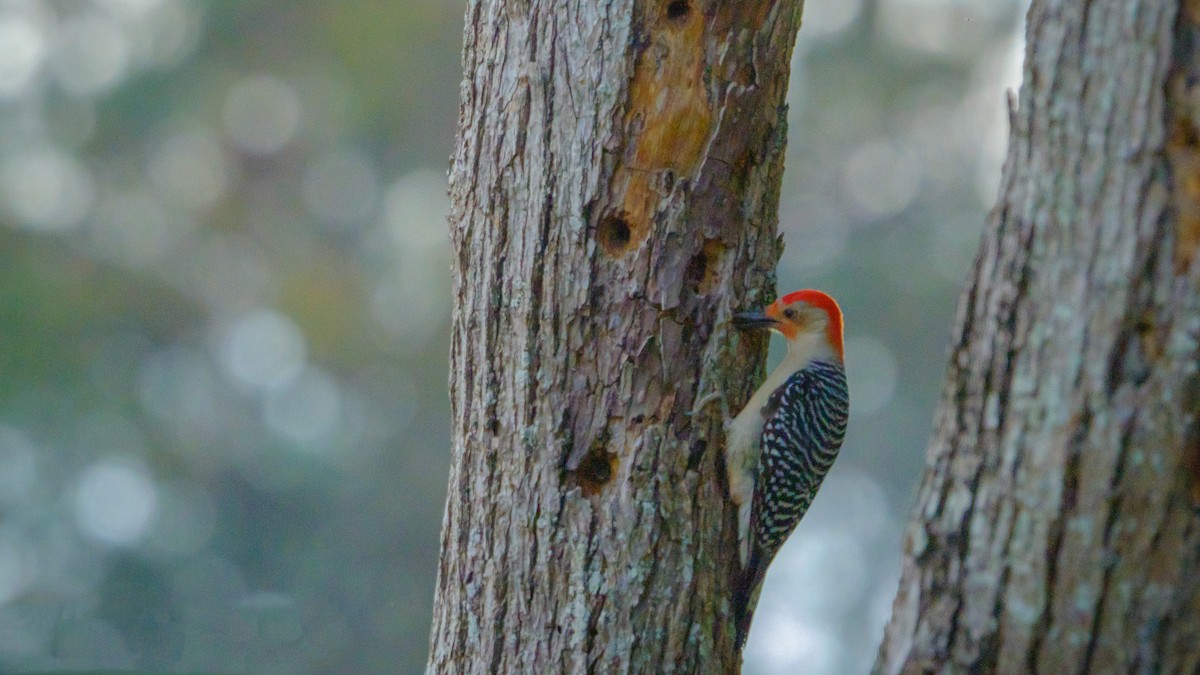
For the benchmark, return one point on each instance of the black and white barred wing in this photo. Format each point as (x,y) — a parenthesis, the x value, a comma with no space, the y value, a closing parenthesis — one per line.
(805,424)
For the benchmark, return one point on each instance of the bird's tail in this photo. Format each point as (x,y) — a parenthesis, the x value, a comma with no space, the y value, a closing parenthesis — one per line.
(745,598)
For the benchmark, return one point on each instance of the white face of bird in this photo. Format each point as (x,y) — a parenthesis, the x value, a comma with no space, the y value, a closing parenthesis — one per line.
(793,318)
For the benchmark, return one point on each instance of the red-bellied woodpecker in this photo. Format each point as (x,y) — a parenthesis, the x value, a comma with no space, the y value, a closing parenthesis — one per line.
(780,445)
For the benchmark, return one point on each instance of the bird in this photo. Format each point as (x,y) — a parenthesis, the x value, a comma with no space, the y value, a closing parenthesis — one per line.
(783,442)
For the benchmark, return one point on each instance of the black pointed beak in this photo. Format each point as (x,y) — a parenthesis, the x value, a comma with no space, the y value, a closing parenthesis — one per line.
(752,321)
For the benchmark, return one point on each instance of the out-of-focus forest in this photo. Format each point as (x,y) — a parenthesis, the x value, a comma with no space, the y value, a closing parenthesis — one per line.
(224,306)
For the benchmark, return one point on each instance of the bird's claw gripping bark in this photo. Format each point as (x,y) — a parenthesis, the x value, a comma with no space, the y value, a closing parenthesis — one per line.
(707,400)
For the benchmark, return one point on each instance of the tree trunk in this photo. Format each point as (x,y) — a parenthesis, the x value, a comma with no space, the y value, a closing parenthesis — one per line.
(614,195)
(1057,529)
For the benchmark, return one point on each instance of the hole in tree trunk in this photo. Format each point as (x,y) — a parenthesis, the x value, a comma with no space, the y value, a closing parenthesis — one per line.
(696,454)
(677,9)
(703,273)
(614,235)
(596,469)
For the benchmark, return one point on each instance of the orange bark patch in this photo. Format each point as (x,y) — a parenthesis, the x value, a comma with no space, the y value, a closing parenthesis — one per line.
(1183,150)
(1191,10)
(670,115)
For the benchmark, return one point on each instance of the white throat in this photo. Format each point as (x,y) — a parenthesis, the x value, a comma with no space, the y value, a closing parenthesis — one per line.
(808,347)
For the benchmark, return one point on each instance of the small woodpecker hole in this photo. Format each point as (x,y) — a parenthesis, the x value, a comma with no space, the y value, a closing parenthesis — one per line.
(696,269)
(614,235)
(596,469)
(696,454)
(703,272)
(677,9)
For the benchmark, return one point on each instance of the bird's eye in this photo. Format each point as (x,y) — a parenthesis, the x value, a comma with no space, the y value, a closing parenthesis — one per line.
(789,313)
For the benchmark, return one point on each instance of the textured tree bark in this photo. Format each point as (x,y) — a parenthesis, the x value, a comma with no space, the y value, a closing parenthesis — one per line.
(1057,529)
(614,195)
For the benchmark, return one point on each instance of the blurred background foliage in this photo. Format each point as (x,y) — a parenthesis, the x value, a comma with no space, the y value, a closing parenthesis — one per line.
(224,299)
